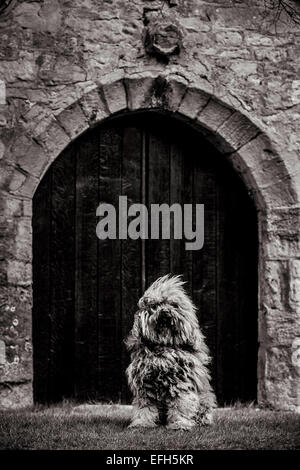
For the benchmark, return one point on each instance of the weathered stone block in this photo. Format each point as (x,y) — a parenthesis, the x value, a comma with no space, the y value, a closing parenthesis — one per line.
(257,39)
(282,394)
(27,208)
(13,207)
(2,352)
(37,119)
(30,156)
(281,326)
(294,291)
(295,268)
(19,273)
(54,139)
(283,221)
(40,17)
(154,92)
(2,149)
(176,92)
(280,388)
(65,72)
(272,55)
(278,364)
(93,106)
(214,115)
(296,353)
(115,96)
(16,304)
(229,38)
(27,188)
(73,121)
(167,94)
(16,396)
(236,132)
(268,170)
(139,91)
(278,193)
(16,181)
(272,189)
(244,67)
(18,364)
(273,284)
(276,246)
(194,25)
(23,240)
(193,102)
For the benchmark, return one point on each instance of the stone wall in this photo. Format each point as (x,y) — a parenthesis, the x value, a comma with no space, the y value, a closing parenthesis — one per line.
(66,65)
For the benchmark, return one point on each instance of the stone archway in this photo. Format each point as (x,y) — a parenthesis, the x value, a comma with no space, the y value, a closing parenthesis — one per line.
(263,171)
(85,290)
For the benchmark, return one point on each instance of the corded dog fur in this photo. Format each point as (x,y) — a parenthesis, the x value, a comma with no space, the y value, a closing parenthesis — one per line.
(168,373)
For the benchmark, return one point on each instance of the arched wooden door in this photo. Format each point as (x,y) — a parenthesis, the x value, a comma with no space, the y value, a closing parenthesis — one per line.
(85,290)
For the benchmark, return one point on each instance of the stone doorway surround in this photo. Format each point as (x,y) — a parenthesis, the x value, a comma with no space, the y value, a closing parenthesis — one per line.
(265,171)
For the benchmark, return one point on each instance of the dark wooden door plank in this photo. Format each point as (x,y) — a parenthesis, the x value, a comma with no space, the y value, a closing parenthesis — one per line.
(158,173)
(205,261)
(86,286)
(176,197)
(62,276)
(109,270)
(131,249)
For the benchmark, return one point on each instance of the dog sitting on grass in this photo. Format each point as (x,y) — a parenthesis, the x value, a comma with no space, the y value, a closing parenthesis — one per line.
(168,373)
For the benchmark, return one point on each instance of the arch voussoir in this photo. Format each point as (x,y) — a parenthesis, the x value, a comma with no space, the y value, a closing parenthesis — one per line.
(269,173)
(280,232)
(154,92)
(139,92)
(230,131)
(27,155)
(23,185)
(73,121)
(54,139)
(115,96)
(236,131)
(213,115)
(193,102)
(93,106)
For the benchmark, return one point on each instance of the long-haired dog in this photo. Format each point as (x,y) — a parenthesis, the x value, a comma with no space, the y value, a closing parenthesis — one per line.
(168,373)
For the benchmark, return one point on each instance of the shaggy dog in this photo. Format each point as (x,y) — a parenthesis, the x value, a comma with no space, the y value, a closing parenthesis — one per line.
(167,374)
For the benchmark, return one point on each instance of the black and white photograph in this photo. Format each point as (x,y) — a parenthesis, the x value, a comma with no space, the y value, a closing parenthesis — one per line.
(149,229)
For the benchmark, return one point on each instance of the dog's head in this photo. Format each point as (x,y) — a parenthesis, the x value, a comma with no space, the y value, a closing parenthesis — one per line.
(166,314)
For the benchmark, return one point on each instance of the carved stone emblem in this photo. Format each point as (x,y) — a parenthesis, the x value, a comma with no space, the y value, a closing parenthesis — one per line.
(163,39)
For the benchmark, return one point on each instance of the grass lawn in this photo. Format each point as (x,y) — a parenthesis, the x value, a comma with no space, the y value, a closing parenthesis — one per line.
(97,427)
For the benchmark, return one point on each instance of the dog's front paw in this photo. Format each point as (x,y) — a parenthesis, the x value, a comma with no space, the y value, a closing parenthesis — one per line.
(183,424)
(206,420)
(141,423)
